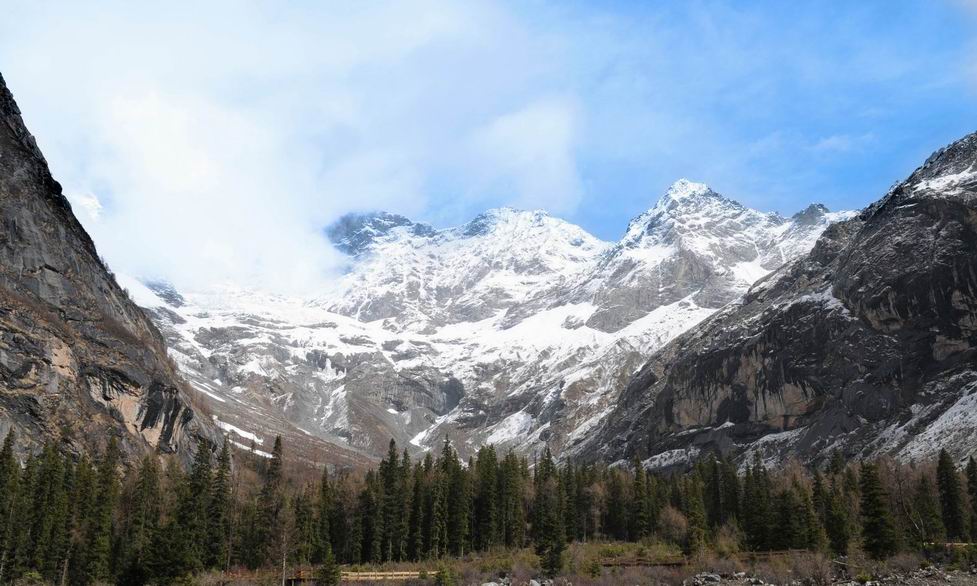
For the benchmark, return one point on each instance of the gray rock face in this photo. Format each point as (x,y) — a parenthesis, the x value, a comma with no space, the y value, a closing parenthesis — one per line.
(517,328)
(78,360)
(868,345)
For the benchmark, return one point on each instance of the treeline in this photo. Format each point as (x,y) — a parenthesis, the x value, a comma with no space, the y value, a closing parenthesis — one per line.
(68,520)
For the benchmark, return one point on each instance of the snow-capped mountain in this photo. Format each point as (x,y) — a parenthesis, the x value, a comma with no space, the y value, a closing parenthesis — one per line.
(866,346)
(516,328)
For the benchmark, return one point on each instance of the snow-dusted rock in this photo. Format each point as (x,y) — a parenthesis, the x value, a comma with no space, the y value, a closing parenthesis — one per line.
(516,329)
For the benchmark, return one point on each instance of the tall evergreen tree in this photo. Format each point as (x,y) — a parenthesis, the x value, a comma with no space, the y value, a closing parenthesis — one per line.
(144,517)
(219,512)
(927,519)
(972,491)
(878,529)
(549,533)
(99,536)
(951,500)
(271,510)
(731,492)
(837,522)
(695,512)
(638,515)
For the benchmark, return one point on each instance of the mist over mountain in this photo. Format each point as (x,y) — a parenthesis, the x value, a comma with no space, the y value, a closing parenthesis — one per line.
(516,328)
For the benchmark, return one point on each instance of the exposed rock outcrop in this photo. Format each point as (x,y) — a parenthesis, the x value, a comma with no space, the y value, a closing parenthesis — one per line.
(867,345)
(78,360)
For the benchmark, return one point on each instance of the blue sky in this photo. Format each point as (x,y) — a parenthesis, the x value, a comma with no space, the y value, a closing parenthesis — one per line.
(214,142)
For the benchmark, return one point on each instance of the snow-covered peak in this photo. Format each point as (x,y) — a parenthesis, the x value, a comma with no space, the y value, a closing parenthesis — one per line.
(686,203)
(355,233)
(683,188)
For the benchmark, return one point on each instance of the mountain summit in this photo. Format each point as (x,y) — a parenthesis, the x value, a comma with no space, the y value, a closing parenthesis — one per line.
(516,328)
(866,346)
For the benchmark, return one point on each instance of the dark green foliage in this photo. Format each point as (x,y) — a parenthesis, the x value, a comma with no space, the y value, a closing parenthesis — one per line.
(98,542)
(972,492)
(67,520)
(219,511)
(837,522)
(927,519)
(878,530)
(329,573)
(951,499)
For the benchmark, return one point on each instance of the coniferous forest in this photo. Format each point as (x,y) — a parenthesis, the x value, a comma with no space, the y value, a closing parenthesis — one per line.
(72,520)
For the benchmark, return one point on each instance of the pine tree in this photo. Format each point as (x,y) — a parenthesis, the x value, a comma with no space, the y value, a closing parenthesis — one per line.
(439,518)
(927,519)
(324,511)
(99,538)
(878,530)
(757,508)
(549,533)
(50,510)
(271,510)
(714,493)
(951,500)
(731,492)
(193,512)
(837,522)
(486,517)
(302,527)
(638,515)
(9,480)
(329,573)
(144,517)
(219,512)
(972,491)
(695,512)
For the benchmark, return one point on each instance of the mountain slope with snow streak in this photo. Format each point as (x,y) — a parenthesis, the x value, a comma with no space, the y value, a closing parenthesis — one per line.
(517,328)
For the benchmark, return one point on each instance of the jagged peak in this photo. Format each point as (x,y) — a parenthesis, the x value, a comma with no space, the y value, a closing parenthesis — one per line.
(495,217)
(951,169)
(685,194)
(811,214)
(354,233)
(684,188)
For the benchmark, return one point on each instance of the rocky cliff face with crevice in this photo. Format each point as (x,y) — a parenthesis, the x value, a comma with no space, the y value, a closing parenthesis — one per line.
(78,360)
(868,345)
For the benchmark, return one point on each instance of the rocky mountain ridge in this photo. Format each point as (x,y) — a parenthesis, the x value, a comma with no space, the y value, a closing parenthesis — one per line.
(79,362)
(515,328)
(867,346)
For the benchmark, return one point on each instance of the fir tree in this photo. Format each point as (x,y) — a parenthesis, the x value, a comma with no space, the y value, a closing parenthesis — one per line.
(972,491)
(548,521)
(951,500)
(271,510)
(99,538)
(695,512)
(927,519)
(144,517)
(638,516)
(192,514)
(324,515)
(219,512)
(878,530)
(837,522)
(329,573)
(731,492)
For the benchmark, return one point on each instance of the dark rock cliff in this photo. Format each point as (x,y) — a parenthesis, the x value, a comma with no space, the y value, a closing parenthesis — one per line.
(868,345)
(79,361)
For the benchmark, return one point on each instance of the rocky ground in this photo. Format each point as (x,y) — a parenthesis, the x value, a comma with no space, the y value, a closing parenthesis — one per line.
(919,577)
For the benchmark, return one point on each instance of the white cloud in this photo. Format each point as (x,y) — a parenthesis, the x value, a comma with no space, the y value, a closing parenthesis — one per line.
(530,152)
(88,203)
(214,142)
(218,139)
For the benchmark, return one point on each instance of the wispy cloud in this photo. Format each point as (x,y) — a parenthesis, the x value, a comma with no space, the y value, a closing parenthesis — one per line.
(213,141)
